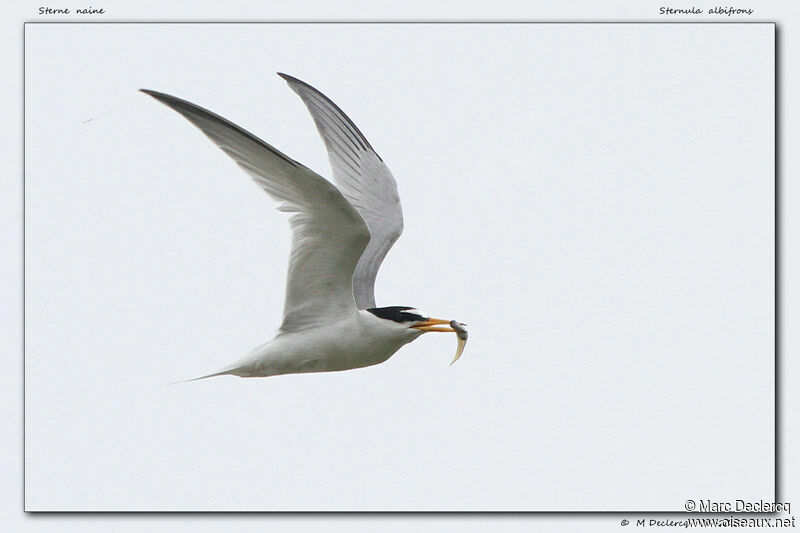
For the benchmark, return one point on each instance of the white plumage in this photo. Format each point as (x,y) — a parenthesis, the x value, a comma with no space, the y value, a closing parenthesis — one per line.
(339,239)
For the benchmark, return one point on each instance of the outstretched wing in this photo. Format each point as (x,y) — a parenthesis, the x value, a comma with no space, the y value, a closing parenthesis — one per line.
(364,180)
(328,235)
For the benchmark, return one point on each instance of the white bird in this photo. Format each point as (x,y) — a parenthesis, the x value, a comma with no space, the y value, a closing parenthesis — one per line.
(339,239)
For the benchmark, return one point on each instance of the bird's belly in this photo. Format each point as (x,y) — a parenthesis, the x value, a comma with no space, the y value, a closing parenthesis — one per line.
(326,349)
(338,352)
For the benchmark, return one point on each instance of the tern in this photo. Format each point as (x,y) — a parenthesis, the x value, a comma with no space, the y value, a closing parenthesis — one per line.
(340,236)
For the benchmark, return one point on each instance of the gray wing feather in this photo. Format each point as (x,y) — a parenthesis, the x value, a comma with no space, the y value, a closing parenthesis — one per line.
(365,181)
(328,235)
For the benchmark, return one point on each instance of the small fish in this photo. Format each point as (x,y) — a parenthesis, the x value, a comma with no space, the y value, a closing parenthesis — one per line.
(462,335)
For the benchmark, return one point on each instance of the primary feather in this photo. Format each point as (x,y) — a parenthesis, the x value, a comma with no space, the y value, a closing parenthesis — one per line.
(363,178)
(328,235)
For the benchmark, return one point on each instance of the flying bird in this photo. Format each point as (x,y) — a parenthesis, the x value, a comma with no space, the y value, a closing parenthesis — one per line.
(340,236)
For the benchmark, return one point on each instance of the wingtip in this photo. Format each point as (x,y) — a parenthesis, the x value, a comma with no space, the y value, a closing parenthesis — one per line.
(292,81)
(155,94)
(168,99)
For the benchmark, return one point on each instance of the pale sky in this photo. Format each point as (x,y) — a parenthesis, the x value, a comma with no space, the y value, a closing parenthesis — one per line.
(595,201)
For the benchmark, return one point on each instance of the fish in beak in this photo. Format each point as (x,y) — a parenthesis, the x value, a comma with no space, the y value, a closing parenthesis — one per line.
(435,324)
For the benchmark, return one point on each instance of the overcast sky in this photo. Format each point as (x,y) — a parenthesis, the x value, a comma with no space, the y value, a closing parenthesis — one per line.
(595,201)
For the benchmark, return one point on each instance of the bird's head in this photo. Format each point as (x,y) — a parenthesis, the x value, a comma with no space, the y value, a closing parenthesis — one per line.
(410,318)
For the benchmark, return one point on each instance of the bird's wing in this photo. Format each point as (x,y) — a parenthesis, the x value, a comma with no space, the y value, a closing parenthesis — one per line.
(364,180)
(328,235)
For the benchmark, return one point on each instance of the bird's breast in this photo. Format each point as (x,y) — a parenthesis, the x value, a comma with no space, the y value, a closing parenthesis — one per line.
(357,341)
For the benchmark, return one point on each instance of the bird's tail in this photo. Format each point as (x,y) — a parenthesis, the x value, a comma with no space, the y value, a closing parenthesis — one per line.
(223,372)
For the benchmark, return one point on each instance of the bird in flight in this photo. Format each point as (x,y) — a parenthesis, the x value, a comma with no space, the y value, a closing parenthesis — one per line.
(340,236)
